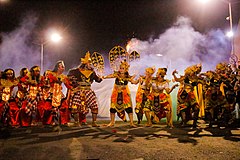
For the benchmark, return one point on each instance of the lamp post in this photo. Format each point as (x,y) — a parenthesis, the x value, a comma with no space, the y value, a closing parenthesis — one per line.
(230,33)
(233,58)
(55,37)
(41,57)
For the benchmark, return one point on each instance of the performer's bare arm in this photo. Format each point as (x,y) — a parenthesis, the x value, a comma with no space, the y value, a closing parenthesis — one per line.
(175,77)
(109,76)
(169,90)
(133,81)
(139,80)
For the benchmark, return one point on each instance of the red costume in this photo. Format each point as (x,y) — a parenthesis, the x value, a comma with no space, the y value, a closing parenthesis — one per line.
(9,110)
(30,113)
(56,101)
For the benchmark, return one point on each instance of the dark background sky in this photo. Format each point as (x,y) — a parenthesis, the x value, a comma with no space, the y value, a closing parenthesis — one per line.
(101,24)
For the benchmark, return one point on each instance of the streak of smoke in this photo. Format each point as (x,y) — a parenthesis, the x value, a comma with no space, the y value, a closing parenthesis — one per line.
(181,46)
(16,50)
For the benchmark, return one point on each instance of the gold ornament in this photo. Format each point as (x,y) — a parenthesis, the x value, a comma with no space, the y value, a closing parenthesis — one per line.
(87,59)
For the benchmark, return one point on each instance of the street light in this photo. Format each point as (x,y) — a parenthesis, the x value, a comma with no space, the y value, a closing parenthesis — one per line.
(3,1)
(54,37)
(203,1)
(233,58)
(230,34)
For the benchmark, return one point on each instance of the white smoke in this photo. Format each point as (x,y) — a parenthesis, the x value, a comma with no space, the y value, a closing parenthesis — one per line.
(16,50)
(178,47)
(181,46)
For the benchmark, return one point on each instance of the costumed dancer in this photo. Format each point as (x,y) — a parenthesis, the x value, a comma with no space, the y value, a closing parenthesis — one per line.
(59,107)
(160,97)
(228,79)
(236,112)
(144,89)
(9,111)
(22,87)
(29,112)
(216,103)
(22,91)
(45,103)
(186,99)
(82,97)
(121,98)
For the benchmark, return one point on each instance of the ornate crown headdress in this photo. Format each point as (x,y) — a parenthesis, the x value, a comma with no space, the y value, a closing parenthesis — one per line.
(194,69)
(150,70)
(87,59)
(37,68)
(162,71)
(221,66)
(124,64)
(9,71)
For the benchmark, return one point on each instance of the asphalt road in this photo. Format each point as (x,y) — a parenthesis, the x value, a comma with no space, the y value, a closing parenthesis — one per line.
(120,142)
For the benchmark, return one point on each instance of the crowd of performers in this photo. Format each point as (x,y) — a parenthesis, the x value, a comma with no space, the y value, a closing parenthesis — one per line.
(213,96)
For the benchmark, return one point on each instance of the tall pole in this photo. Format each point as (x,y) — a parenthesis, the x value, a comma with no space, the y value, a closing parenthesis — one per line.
(231,28)
(55,38)
(41,58)
(233,58)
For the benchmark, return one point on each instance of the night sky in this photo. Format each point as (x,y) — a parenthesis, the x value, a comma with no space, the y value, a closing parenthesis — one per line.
(99,25)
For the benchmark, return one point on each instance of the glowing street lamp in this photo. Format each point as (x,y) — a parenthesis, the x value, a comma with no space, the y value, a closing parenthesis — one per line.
(54,37)
(233,58)
(3,1)
(230,33)
(203,1)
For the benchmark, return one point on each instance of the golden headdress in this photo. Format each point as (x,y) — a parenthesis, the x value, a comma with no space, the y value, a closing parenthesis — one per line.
(221,66)
(9,71)
(194,69)
(124,64)
(87,59)
(24,71)
(210,74)
(150,70)
(162,71)
(36,68)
